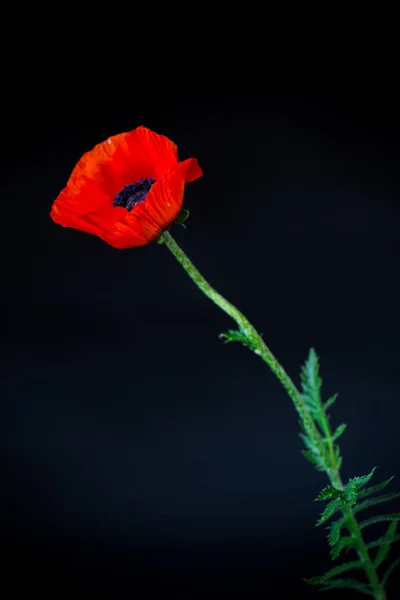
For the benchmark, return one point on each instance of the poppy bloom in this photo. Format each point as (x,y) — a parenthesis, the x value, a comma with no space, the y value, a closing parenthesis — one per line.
(127,190)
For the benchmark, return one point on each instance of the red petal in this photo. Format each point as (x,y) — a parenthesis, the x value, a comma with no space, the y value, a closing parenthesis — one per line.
(149,218)
(101,173)
(164,201)
(88,167)
(83,192)
(141,154)
(87,223)
(86,201)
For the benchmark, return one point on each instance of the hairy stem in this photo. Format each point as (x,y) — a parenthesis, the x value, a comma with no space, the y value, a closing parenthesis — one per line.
(261,349)
(351,521)
(258,344)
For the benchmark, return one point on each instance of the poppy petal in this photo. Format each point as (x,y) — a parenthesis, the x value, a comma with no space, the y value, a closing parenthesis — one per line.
(86,203)
(165,198)
(140,154)
(88,167)
(83,192)
(80,222)
(133,232)
(122,159)
(149,218)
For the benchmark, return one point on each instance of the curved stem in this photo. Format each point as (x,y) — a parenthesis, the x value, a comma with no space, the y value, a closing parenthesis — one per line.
(258,344)
(261,349)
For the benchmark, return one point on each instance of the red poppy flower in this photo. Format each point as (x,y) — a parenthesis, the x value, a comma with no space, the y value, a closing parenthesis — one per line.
(127,190)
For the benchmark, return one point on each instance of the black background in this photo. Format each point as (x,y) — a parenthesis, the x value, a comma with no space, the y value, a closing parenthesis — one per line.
(140,452)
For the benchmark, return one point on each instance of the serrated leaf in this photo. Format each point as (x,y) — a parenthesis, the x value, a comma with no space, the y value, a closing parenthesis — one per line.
(329,402)
(379,519)
(351,495)
(339,431)
(310,380)
(338,458)
(329,492)
(379,542)
(343,543)
(375,488)
(314,450)
(322,579)
(312,409)
(307,441)
(335,530)
(351,584)
(234,335)
(374,501)
(312,459)
(386,541)
(333,507)
(390,570)
(356,483)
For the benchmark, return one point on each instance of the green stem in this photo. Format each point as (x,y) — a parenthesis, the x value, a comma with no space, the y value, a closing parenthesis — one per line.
(261,349)
(362,551)
(258,344)
(351,522)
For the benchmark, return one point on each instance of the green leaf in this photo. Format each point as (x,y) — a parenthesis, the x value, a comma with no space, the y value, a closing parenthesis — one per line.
(379,519)
(352,584)
(390,570)
(386,541)
(335,530)
(314,451)
(379,542)
(374,501)
(343,543)
(375,488)
(322,579)
(331,492)
(329,402)
(182,217)
(333,507)
(234,335)
(338,458)
(359,482)
(310,380)
(355,484)
(312,459)
(339,431)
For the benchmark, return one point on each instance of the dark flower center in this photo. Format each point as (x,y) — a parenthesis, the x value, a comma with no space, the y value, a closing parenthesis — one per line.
(133,193)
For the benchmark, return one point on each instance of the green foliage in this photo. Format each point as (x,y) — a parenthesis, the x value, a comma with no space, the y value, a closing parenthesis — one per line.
(182,217)
(343,502)
(351,584)
(335,571)
(322,451)
(368,491)
(374,501)
(329,402)
(335,530)
(341,536)
(329,511)
(388,572)
(379,519)
(235,335)
(384,543)
(338,431)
